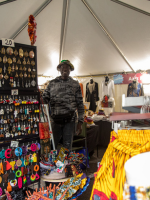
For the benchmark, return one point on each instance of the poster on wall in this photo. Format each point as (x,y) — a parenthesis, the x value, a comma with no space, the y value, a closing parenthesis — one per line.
(127,78)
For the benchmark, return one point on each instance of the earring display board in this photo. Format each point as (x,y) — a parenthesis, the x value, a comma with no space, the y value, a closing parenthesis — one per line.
(19,117)
(19,166)
(18,67)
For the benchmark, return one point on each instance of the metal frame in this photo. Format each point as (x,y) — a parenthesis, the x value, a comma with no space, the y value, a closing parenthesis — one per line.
(26,22)
(63,27)
(6,1)
(131,7)
(49,122)
(107,34)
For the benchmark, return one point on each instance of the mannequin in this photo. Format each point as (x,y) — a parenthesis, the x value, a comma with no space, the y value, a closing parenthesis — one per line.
(92,94)
(106,80)
(91,81)
(107,89)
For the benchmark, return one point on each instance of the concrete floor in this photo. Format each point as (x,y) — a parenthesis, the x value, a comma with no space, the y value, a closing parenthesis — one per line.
(90,172)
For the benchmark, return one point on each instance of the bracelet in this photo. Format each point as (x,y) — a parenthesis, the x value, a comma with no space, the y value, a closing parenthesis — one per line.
(36,168)
(18,173)
(24,180)
(32,177)
(13,183)
(37,176)
(24,150)
(20,182)
(19,163)
(7,153)
(1,191)
(18,151)
(33,147)
(30,158)
(2,154)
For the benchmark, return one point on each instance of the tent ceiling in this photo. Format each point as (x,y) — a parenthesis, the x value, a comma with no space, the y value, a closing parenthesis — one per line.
(85,43)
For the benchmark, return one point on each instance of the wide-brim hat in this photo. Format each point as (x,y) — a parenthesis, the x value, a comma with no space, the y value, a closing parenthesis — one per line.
(67,62)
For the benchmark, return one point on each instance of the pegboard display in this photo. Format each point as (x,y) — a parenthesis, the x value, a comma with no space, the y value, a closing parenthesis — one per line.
(18,67)
(19,166)
(19,116)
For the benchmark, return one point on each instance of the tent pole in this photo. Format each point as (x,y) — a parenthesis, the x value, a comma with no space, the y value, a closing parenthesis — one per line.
(63,27)
(26,23)
(131,7)
(107,34)
(5,2)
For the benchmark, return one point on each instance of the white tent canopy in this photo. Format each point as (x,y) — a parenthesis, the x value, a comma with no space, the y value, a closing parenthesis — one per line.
(97,36)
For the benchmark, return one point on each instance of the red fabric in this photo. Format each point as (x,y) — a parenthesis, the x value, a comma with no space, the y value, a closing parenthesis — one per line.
(81,85)
(113,196)
(99,194)
(113,170)
(44,130)
(113,138)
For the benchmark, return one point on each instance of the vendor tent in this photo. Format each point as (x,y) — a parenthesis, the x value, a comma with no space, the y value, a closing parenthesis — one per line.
(97,36)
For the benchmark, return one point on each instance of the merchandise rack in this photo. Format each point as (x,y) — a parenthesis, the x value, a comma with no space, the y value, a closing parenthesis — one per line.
(24,74)
(28,48)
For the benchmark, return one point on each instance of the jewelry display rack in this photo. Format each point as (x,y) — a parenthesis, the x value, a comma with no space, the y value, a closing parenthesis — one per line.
(19,117)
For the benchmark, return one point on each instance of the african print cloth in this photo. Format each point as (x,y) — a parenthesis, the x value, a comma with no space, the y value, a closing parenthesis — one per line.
(110,177)
(136,193)
(74,184)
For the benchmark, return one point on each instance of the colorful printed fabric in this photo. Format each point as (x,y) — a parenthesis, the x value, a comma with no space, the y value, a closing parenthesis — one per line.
(110,177)
(135,193)
(45,172)
(62,154)
(73,184)
(80,191)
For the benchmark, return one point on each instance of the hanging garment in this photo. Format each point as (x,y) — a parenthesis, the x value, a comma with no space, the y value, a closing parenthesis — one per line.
(110,177)
(135,90)
(107,89)
(92,95)
(81,85)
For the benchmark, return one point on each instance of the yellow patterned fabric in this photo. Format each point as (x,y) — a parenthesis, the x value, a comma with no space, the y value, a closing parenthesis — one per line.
(110,177)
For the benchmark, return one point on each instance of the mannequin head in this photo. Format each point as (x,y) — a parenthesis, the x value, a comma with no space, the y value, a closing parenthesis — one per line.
(65,71)
(106,78)
(91,80)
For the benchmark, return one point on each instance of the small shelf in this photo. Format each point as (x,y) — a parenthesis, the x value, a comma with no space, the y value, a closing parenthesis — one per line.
(128,116)
(132,104)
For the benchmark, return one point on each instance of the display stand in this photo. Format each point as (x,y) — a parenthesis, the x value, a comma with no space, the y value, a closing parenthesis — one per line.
(49,122)
(19,117)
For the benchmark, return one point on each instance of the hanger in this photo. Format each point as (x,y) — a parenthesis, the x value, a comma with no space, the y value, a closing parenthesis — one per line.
(91,79)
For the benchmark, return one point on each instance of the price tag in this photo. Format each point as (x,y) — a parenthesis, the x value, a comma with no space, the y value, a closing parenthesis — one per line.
(14,144)
(14,92)
(8,42)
